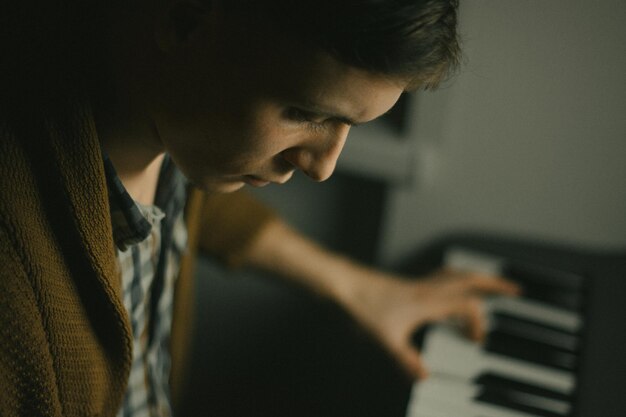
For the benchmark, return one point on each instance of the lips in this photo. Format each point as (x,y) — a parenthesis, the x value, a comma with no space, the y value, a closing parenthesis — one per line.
(255,181)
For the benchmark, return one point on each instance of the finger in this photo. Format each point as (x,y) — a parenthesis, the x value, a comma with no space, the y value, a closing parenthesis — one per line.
(477,281)
(491,284)
(474,319)
(412,362)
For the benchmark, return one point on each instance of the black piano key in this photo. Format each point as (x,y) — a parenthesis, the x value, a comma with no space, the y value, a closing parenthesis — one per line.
(514,402)
(540,274)
(530,351)
(495,380)
(549,294)
(503,315)
(533,330)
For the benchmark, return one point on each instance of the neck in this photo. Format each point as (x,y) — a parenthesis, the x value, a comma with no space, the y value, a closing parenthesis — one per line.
(142,184)
(135,152)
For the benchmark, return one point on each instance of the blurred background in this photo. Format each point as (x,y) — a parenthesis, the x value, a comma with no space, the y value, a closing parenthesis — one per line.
(528,141)
(529,138)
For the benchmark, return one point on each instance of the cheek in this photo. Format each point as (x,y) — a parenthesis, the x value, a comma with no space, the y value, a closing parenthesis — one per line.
(228,148)
(263,133)
(231,139)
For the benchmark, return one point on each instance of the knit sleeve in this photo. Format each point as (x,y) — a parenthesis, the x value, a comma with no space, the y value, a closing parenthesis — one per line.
(229,223)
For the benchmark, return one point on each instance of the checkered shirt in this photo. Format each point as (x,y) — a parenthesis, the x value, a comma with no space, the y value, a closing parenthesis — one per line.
(150,241)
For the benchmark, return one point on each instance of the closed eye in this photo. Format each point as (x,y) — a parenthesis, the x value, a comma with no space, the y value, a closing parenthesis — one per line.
(308,120)
(300,115)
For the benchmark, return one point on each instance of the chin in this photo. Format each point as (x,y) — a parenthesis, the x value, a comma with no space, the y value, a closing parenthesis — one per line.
(220,187)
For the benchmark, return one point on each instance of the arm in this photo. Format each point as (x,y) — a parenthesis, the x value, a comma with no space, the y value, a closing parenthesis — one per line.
(241,230)
(390,307)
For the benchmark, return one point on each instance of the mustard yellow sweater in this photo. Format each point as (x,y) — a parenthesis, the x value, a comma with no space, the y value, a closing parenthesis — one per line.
(65,342)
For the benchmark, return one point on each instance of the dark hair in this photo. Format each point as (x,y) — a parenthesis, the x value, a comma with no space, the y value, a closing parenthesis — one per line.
(412,39)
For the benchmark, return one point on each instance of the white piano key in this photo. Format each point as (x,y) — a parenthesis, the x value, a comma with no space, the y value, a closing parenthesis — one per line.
(440,396)
(449,353)
(472,261)
(534,310)
(431,400)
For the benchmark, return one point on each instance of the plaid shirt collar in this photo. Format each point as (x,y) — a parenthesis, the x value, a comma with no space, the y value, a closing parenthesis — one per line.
(131,224)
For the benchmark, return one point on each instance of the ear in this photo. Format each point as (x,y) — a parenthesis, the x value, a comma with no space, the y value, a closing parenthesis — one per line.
(179,21)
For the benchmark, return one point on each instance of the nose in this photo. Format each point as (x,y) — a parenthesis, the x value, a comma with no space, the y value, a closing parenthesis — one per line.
(317,156)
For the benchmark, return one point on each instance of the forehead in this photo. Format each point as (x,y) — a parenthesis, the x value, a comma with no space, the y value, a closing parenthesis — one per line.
(327,83)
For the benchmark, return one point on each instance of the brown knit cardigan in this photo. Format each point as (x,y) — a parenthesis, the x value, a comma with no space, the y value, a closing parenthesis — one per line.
(65,342)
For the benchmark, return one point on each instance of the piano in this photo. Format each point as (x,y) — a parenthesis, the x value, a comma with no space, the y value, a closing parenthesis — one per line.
(539,357)
(310,359)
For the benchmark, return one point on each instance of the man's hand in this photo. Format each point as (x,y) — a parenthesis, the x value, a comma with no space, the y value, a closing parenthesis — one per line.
(390,307)
(393,308)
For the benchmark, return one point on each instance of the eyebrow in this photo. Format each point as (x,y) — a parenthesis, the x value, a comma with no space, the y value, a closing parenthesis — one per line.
(317,110)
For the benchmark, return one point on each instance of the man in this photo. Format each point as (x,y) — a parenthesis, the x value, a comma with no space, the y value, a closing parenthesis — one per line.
(105,104)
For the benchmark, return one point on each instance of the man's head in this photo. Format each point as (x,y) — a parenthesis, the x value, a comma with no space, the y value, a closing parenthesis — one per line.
(247,91)
(414,40)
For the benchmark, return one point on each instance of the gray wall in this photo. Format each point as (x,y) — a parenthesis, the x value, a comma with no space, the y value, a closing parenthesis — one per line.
(530,138)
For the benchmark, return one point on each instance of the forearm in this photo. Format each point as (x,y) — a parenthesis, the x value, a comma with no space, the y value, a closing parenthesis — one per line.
(282,250)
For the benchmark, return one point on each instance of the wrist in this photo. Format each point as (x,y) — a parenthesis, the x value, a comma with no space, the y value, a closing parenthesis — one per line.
(353,284)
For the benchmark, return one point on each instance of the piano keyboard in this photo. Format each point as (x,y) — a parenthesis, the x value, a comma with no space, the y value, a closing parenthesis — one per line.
(528,362)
